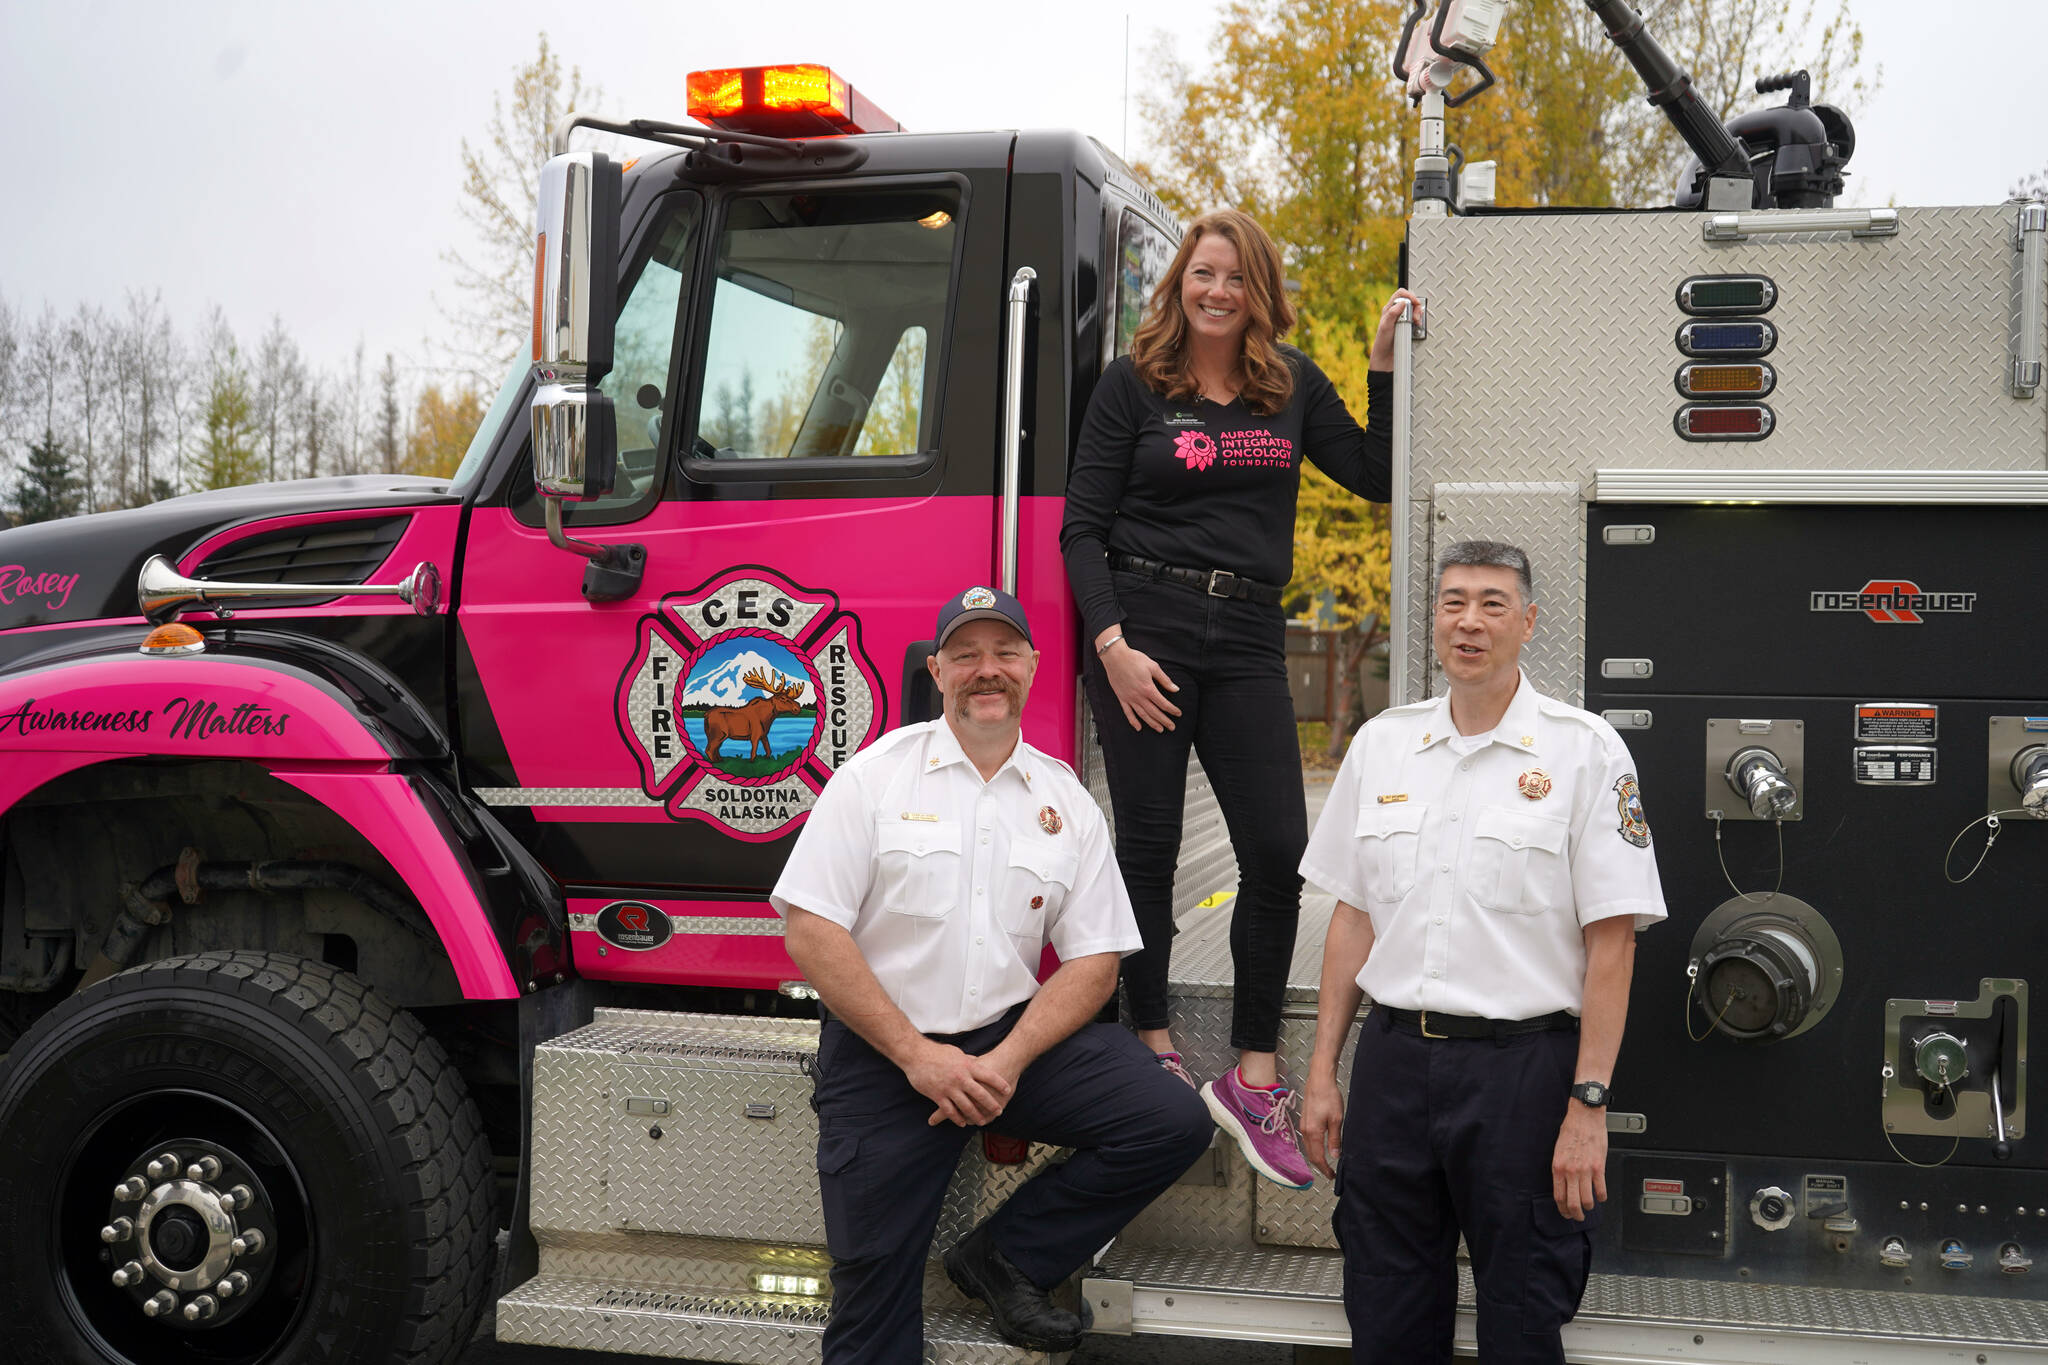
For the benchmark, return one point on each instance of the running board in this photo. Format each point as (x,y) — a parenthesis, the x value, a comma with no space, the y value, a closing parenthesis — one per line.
(757,1329)
(1297,1297)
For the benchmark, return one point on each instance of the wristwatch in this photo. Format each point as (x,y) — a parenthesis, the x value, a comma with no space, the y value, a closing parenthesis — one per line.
(1592,1094)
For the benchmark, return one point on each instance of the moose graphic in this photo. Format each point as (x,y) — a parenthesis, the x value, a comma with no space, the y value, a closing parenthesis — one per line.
(750,721)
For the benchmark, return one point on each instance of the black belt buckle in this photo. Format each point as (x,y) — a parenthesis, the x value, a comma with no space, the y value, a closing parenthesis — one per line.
(1216,577)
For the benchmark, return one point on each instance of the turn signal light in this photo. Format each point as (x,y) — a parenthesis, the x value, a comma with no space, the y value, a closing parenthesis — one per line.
(172,639)
(1726,381)
(1724,421)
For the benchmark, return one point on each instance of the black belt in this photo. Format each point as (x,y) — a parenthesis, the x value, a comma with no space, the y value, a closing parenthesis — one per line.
(1215,582)
(1427,1024)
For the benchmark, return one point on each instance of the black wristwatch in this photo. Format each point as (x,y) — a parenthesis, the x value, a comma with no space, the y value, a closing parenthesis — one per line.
(1592,1094)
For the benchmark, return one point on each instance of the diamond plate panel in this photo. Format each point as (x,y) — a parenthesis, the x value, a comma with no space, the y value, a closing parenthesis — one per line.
(1893,354)
(1893,1314)
(1548,520)
(762,1329)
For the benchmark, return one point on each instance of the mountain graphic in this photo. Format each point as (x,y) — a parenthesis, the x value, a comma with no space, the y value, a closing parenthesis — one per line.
(722,686)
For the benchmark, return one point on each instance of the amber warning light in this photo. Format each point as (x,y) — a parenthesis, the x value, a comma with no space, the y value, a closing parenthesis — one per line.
(795,99)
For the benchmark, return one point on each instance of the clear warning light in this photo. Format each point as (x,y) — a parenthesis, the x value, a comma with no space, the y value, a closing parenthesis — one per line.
(768,1282)
(1726,381)
(1724,421)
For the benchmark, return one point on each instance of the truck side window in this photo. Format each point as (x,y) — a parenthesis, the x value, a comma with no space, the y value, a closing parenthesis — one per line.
(1143,254)
(826,308)
(642,349)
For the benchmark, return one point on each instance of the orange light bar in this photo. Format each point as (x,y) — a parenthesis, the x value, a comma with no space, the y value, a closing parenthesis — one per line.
(805,87)
(791,100)
(716,94)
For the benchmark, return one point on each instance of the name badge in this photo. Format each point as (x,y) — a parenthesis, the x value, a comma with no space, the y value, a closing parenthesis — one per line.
(1181,418)
(920,815)
(1393,799)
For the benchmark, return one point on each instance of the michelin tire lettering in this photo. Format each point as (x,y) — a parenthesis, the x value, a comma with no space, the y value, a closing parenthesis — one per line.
(743,696)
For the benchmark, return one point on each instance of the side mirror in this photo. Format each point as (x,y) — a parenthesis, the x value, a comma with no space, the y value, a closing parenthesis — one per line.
(575,304)
(575,311)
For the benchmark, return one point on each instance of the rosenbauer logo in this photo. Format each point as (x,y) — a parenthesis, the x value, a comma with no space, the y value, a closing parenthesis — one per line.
(1893,601)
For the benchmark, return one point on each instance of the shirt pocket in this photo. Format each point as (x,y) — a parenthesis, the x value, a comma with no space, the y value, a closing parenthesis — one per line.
(1518,862)
(1034,887)
(1390,845)
(918,866)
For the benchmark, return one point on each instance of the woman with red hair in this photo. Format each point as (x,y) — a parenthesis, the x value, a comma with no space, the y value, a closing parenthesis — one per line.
(1178,539)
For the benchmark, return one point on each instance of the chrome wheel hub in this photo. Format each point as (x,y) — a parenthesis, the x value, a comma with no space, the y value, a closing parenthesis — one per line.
(189,1233)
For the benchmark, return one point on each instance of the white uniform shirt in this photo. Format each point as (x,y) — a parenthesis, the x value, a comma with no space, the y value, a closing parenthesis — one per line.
(951,886)
(1481,858)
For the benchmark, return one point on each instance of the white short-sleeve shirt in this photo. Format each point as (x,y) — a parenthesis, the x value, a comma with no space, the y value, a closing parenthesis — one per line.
(952,887)
(1480,859)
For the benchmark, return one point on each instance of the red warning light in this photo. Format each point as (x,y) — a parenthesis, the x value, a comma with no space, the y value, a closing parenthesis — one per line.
(792,99)
(1724,421)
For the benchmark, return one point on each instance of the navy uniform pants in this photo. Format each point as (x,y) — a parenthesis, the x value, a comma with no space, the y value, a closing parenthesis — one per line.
(1443,1135)
(883,1170)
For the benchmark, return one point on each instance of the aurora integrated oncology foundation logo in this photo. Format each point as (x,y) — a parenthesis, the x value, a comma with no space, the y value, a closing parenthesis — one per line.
(743,696)
(1195,448)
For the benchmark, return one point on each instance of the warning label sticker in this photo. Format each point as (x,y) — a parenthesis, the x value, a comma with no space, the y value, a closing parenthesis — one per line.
(1905,722)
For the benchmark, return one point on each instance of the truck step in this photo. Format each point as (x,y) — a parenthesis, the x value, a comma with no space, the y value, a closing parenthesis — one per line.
(745,1329)
(1297,1296)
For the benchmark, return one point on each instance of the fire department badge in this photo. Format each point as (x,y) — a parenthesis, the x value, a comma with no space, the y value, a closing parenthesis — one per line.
(1038,902)
(1534,784)
(1634,827)
(743,696)
(974,599)
(1049,820)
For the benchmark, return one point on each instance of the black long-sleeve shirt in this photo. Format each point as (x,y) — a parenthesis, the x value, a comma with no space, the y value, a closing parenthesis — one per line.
(1206,486)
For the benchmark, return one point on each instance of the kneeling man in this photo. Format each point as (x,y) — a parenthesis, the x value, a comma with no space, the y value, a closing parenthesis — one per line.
(1492,865)
(937,865)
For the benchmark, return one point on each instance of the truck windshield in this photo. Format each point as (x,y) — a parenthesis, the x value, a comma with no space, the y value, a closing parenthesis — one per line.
(826,308)
(487,430)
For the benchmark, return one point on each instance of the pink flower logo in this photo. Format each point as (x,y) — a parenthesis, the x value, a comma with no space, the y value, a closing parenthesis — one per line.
(1195,448)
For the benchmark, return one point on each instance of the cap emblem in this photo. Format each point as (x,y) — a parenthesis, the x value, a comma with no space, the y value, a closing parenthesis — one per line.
(975,599)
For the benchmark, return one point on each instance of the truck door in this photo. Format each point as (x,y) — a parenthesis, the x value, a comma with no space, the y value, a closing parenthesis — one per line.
(806,388)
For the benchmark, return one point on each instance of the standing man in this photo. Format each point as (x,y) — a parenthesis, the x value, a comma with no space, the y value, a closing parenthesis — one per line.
(1492,866)
(935,868)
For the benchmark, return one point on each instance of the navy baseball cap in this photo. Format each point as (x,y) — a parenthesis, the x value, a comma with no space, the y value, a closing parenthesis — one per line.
(980,604)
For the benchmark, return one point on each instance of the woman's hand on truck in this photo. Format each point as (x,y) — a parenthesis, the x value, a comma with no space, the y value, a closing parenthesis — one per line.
(1137,682)
(966,1089)
(1383,336)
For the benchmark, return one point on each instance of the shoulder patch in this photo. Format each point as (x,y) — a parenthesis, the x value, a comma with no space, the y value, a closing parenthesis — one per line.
(1629,801)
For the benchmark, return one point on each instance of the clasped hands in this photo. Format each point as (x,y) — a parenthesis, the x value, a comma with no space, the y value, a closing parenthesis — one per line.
(968,1090)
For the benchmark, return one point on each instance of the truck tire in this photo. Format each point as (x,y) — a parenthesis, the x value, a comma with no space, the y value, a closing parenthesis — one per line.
(339,1133)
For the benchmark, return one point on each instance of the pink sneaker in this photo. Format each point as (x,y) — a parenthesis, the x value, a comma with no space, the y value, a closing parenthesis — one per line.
(1170,1063)
(1262,1121)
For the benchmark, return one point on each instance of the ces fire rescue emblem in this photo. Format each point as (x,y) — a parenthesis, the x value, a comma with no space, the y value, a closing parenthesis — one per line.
(1629,801)
(743,696)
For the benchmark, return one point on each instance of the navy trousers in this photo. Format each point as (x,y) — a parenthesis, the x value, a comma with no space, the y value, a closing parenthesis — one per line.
(883,1170)
(1443,1135)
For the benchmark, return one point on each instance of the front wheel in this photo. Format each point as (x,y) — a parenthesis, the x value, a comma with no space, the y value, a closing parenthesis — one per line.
(236,1159)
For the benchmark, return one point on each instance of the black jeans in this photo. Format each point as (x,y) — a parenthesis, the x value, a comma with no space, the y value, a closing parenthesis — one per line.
(1229,659)
(883,1170)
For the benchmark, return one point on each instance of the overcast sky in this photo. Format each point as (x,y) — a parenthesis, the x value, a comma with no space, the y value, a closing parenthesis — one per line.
(303,160)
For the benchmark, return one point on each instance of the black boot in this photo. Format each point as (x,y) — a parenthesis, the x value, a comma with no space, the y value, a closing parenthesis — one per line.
(1025,1315)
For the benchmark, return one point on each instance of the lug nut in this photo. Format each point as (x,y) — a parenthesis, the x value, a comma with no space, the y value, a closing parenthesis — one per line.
(235,1283)
(128,1274)
(160,1304)
(248,1244)
(131,1189)
(164,1167)
(120,1230)
(206,1168)
(240,1197)
(201,1308)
